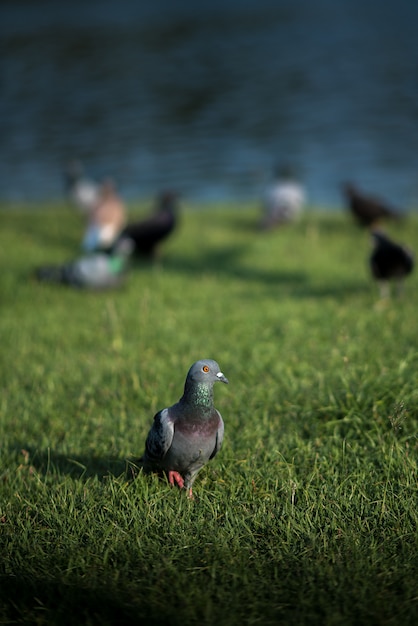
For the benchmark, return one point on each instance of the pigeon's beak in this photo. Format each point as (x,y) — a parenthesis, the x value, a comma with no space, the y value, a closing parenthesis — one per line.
(222,378)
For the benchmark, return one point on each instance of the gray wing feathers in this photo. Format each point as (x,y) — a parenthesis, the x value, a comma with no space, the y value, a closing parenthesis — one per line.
(160,436)
(219,437)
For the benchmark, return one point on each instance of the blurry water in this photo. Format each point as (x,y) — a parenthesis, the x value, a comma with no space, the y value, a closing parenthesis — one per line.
(207,96)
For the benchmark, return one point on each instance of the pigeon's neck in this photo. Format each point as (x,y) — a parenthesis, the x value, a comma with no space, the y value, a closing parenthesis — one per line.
(198,395)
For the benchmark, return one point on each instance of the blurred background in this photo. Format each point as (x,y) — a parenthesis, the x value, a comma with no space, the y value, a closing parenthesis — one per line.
(208,96)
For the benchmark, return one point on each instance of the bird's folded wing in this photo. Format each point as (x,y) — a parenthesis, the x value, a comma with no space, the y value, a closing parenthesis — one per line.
(219,437)
(160,436)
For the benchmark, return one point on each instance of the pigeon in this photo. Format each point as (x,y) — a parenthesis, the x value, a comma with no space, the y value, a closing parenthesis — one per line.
(92,271)
(367,210)
(106,220)
(389,261)
(283,200)
(83,192)
(147,234)
(185,436)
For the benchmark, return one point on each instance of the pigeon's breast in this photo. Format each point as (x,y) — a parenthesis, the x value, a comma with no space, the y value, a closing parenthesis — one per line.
(198,427)
(193,444)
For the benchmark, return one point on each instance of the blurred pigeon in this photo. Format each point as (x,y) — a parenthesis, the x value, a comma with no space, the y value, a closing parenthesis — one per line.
(185,436)
(94,271)
(367,210)
(106,219)
(81,190)
(147,234)
(283,200)
(389,261)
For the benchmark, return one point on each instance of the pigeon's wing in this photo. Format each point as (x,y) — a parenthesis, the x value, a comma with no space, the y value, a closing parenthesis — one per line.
(219,437)
(153,227)
(409,259)
(160,436)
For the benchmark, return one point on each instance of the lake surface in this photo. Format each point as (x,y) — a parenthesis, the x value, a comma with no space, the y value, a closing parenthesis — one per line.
(208,96)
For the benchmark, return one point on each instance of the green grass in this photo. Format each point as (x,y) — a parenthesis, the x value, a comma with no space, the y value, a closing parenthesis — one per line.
(309,513)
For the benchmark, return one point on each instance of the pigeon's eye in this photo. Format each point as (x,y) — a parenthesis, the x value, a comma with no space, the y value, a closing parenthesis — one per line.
(205,368)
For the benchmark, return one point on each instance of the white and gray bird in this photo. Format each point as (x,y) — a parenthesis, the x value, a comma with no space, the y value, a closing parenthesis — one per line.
(82,191)
(92,271)
(185,436)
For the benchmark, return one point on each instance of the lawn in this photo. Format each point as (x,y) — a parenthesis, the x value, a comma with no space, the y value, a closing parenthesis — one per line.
(308,515)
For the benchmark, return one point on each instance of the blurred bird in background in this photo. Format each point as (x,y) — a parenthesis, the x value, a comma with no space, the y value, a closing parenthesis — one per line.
(283,199)
(367,210)
(149,233)
(82,191)
(106,219)
(98,270)
(389,262)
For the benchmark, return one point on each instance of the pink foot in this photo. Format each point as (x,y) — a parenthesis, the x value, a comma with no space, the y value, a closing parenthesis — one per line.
(190,494)
(175,478)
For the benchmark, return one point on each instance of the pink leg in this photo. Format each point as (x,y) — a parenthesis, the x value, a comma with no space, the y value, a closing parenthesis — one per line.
(175,478)
(190,494)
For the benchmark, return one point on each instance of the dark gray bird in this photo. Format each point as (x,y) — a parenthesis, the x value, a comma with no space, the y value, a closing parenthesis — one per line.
(367,210)
(185,436)
(389,261)
(148,234)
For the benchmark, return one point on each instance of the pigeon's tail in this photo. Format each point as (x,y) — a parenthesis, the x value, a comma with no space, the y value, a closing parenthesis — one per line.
(134,468)
(142,463)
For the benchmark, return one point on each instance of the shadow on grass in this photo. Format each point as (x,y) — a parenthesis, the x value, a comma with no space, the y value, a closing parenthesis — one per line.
(339,291)
(226,262)
(31,600)
(48,462)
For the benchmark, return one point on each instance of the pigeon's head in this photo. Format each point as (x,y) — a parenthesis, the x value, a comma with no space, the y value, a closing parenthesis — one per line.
(379,238)
(167,200)
(73,171)
(348,189)
(206,371)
